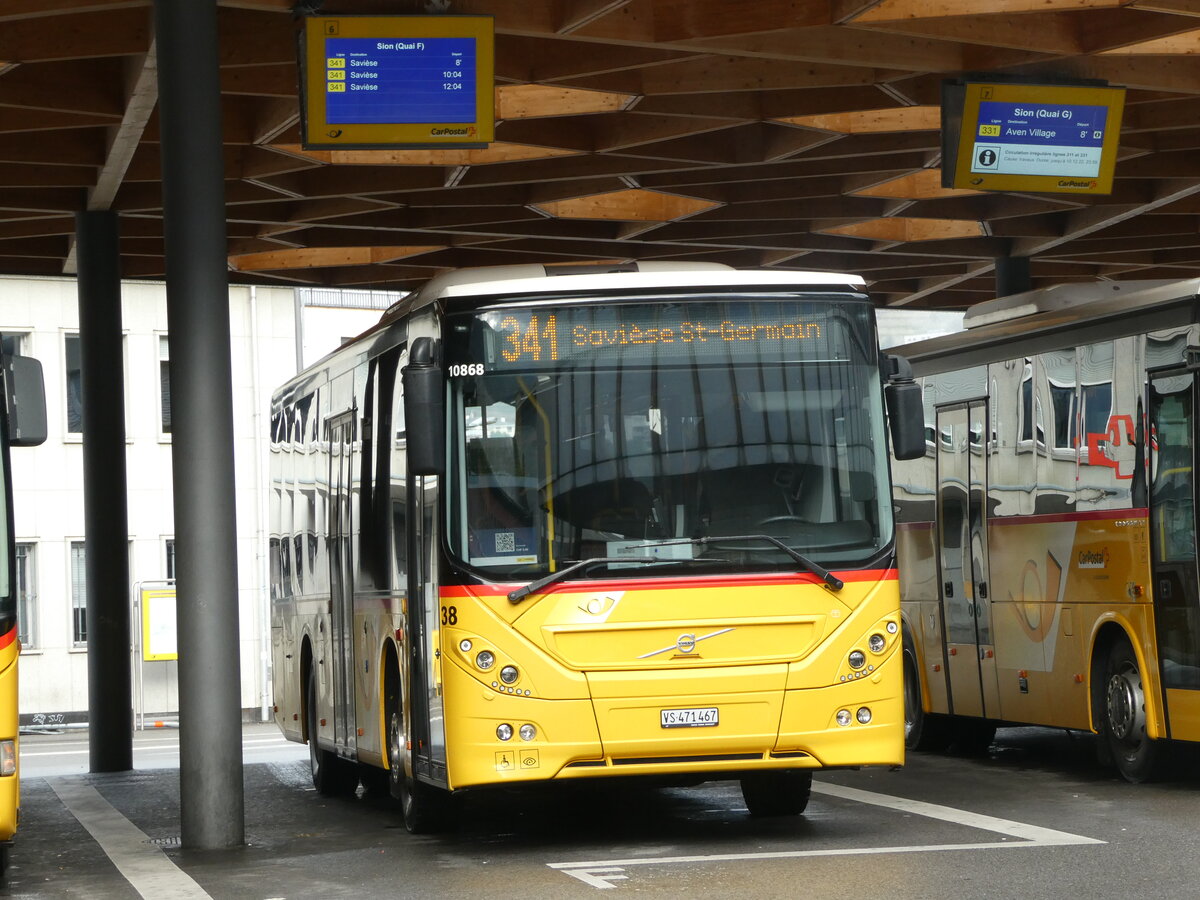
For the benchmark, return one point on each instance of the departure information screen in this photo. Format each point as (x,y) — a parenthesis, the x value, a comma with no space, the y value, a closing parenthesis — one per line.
(376,81)
(614,334)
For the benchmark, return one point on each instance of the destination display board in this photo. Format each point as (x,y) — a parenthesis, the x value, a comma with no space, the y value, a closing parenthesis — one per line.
(398,82)
(619,334)
(1037,138)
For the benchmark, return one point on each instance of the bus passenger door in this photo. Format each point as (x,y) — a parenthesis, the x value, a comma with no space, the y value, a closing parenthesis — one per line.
(1173,549)
(341,578)
(427,729)
(962,541)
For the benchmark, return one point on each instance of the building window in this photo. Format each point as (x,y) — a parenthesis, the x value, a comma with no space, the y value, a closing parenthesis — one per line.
(12,344)
(78,595)
(170,546)
(164,382)
(74,379)
(27,596)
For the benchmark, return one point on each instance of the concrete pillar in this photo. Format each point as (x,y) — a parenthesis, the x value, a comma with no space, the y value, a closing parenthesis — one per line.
(210,728)
(106,520)
(1012,275)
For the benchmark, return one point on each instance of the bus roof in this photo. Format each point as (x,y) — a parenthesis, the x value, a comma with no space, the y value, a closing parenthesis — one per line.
(536,279)
(1054,319)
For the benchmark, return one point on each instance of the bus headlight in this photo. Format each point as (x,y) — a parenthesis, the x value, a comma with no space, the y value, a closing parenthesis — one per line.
(857,659)
(509,674)
(8,757)
(528,732)
(485,659)
(504,732)
(843,717)
(864,715)
(876,643)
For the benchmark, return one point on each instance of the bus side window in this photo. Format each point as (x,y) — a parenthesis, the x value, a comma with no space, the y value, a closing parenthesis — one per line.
(391,471)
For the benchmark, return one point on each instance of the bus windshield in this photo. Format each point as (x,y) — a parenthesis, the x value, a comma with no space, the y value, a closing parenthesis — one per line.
(649,430)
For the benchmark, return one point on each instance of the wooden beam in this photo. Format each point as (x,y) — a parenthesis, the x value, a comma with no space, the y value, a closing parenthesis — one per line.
(528,101)
(893,10)
(838,45)
(139,106)
(324,257)
(578,14)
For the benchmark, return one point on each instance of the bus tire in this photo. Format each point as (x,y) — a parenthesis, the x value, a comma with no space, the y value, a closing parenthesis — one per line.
(783,792)
(922,731)
(332,777)
(426,809)
(1136,757)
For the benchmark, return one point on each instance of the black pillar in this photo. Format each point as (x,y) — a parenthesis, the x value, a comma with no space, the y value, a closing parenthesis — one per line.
(106,520)
(1012,275)
(210,732)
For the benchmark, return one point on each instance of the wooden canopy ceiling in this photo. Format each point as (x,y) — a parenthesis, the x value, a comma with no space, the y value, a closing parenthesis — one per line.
(794,134)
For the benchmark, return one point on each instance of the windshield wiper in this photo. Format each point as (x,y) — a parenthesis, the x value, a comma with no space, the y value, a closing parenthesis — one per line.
(820,571)
(534,587)
(554,577)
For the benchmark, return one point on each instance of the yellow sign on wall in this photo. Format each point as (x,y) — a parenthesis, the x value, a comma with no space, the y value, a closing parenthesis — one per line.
(372,82)
(159,639)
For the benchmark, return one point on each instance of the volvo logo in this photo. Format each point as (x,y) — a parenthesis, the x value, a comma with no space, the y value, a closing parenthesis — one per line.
(686,643)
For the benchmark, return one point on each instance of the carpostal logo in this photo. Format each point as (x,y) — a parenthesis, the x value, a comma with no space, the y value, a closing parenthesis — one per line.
(1093,559)
(1077,184)
(468,131)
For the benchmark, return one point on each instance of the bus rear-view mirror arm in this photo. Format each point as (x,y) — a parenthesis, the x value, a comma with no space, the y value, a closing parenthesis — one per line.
(905,407)
(425,408)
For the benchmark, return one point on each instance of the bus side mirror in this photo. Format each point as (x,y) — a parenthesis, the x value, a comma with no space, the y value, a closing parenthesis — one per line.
(24,401)
(906,409)
(424,409)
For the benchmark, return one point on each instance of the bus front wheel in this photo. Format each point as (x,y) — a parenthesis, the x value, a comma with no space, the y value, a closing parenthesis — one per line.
(1137,757)
(426,809)
(780,793)
(922,731)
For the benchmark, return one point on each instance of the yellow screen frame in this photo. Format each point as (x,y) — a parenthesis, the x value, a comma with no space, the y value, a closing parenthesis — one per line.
(319,134)
(1113,98)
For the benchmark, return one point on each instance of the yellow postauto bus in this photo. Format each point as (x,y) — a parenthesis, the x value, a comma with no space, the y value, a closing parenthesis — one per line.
(1047,537)
(22,424)
(542,525)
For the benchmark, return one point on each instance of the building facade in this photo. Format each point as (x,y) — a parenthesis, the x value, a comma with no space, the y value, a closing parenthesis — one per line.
(272,331)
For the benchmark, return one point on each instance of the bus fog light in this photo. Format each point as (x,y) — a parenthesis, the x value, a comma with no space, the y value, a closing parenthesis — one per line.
(8,757)
(857,659)
(509,674)
(504,732)
(486,659)
(843,717)
(864,715)
(464,645)
(876,643)
(528,732)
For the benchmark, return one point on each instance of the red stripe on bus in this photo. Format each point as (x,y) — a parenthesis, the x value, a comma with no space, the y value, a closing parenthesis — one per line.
(1091,516)
(667,584)
(8,638)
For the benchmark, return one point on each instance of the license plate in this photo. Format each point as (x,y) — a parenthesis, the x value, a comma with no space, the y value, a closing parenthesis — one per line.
(701,717)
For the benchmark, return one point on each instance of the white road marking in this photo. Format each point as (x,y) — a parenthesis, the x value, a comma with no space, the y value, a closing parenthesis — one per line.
(599,873)
(142,863)
(138,746)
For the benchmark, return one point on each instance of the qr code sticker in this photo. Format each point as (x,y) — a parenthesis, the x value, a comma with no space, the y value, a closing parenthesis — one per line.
(506,542)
